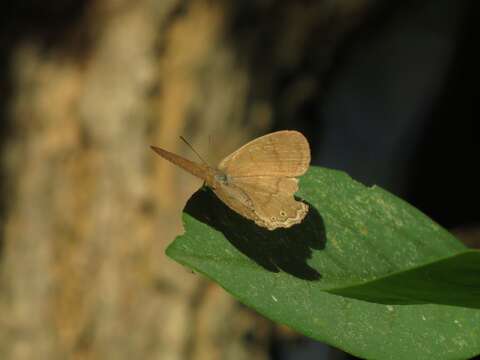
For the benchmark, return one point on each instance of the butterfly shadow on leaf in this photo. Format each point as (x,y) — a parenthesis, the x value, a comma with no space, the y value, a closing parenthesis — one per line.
(278,250)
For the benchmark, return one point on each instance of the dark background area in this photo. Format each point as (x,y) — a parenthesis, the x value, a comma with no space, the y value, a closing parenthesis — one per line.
(444,180)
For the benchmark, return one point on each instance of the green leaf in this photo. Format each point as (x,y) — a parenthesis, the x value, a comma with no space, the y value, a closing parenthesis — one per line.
(451,281)
(353,241)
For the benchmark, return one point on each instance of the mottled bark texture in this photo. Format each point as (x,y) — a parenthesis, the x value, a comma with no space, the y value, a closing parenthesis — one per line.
(88,209)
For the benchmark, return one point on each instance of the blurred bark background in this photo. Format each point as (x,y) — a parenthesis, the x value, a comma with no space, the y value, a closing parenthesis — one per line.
(87,209)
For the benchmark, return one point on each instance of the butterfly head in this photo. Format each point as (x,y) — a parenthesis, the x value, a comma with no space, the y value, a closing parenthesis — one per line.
(221,178)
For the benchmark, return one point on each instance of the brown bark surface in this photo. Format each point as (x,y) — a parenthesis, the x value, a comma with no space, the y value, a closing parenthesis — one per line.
(88,208)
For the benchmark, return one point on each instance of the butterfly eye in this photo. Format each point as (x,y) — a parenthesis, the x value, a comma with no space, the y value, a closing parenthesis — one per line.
(221,178)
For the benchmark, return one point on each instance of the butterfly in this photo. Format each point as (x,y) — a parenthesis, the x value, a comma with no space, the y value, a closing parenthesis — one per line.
(259,180)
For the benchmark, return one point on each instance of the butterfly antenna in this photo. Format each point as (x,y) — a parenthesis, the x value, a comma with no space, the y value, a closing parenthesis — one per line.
(191,147)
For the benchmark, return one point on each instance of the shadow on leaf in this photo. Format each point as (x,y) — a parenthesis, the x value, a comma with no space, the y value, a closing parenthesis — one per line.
(278,250)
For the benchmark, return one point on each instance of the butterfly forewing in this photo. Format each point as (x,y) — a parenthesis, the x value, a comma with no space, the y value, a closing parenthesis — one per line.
(282,153)
(199,170)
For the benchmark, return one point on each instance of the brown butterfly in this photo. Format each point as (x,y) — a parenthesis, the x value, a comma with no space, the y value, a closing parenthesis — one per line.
(259,179)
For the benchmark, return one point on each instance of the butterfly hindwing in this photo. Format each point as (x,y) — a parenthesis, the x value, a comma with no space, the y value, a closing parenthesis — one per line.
(268,201)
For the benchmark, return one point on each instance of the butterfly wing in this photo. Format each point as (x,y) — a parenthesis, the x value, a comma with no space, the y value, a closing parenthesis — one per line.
(261,179)
(236,199)
(282,153)
(266,200)
(199,170)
